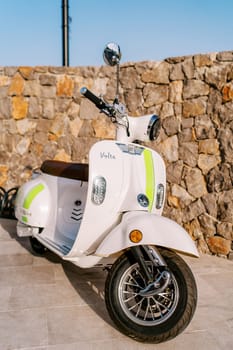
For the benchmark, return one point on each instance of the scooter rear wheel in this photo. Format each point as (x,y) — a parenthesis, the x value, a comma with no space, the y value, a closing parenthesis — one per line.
(154,318)
(37,247)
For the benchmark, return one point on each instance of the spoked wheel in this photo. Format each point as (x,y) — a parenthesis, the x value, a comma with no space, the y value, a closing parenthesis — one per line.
(154,317)
(37,247)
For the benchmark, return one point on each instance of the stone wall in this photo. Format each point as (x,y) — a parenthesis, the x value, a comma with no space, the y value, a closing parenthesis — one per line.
(42,115)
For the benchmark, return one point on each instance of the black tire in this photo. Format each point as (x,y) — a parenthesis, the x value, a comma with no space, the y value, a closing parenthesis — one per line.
(153,319)
(37,247)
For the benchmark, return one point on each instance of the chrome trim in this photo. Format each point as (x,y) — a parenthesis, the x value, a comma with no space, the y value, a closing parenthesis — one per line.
(160,196)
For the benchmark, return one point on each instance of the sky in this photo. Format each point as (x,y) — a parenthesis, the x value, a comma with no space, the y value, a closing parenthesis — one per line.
(31,30)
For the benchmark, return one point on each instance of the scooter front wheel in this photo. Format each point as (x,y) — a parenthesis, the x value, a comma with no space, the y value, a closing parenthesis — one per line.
(156,317)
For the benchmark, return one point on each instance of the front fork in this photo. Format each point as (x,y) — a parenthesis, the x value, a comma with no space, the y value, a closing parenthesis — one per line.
(154,286)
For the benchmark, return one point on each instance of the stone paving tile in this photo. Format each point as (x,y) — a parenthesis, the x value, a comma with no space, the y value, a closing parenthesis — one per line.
(23,275)
(23,328)
(79,324)
(5,293)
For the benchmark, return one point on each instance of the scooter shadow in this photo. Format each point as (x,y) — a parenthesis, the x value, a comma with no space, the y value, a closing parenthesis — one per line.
(8,232)
(89,284)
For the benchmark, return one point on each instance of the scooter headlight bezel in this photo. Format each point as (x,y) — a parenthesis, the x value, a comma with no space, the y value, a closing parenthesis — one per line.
(153,128)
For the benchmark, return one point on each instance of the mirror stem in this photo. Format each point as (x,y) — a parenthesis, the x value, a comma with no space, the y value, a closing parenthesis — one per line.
(117,82)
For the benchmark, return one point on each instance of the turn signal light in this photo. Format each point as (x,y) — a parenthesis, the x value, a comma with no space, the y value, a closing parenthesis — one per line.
(135,236)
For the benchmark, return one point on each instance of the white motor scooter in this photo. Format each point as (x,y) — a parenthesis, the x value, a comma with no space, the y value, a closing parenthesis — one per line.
(110,212)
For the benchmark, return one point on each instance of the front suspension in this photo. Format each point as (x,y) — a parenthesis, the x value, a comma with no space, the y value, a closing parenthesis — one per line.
(153,285)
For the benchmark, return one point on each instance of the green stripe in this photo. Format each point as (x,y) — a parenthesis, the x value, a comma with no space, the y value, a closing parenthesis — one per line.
(24,218)
(150,177)
(31,195)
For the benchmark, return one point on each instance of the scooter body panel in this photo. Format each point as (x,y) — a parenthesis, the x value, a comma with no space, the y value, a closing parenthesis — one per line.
(33,203)
(59,220)
(125,171)
(156,230)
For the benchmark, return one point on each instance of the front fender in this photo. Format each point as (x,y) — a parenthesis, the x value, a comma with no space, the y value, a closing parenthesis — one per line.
(156,230)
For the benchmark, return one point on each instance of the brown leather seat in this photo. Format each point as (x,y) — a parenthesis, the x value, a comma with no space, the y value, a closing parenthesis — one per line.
(75,171)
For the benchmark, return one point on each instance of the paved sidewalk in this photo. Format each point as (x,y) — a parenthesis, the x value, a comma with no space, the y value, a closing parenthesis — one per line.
(46,304)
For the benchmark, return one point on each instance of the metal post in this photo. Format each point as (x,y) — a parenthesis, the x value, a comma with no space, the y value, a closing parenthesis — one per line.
(65,33)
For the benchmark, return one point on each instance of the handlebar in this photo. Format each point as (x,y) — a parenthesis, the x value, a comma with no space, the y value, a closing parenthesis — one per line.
(116,111)
(93,98)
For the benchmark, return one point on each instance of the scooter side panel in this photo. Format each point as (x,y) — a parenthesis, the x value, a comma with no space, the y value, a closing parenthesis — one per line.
(156,230)
(32,203)
(105,162)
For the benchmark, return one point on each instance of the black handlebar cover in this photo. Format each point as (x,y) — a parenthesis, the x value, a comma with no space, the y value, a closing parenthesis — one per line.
(93,98)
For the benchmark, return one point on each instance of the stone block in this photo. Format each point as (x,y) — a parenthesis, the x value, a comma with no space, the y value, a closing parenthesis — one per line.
(5,106)
(202,246)
(176,72)
(204,128)
(159,74)
(227,92)
(195,88)
(103,128)
(188,67)
(155,94)
(216,76)
(225,56)
(175,92)
(25,126)
(188,152)
(167,110)
(23,145)
(209,146)
(181,193)
(171,125)
(169,148)
(225,206)
(206,162)
(195,182)
(17,85)
(75,126)
(174,172)
(215,181)
(3,174)
(134,101)
(208,225)
(194,229)
(47,79)
(226,143)
(47,106)
(225,229)
(194,107)
(203,60)
(4,80)
(192,211)
(34,108)
(219,245)
(129,80)
(65,86)
(26,72)
(210,203)
(19,107)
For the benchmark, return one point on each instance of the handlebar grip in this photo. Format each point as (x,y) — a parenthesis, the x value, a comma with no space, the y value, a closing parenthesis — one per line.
(93,98)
